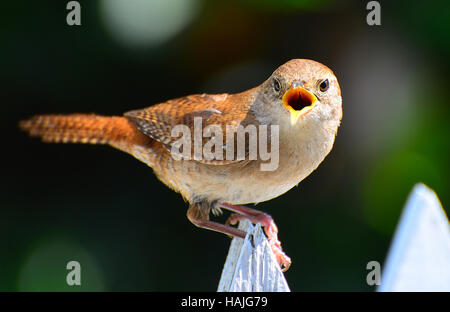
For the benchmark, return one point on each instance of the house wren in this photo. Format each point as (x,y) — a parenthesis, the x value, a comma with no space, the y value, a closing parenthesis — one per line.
(295,113)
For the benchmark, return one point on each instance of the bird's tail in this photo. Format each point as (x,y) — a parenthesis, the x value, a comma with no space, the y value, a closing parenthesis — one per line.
(84,128)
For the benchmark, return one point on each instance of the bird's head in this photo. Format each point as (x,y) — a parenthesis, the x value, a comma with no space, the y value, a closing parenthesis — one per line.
(298,91)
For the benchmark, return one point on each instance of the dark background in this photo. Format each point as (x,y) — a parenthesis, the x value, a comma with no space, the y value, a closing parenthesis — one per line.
(108,211)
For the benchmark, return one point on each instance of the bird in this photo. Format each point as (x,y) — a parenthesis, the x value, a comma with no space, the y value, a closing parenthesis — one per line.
(299,107)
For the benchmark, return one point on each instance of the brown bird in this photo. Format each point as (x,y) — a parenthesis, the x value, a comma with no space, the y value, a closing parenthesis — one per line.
(299,105)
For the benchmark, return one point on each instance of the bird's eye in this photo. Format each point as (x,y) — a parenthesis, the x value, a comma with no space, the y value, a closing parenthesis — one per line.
(324,85)
(276,85)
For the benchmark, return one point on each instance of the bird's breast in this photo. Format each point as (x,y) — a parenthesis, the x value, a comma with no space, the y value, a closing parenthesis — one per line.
(299,154)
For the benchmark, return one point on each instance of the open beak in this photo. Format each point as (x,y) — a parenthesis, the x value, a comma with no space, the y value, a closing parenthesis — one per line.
(299,102)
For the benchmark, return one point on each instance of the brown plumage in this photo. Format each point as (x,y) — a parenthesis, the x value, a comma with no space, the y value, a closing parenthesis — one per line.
(84,128)
(302,98)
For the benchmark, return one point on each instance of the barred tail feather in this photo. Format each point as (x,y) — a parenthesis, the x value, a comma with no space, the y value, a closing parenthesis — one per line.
(84,128)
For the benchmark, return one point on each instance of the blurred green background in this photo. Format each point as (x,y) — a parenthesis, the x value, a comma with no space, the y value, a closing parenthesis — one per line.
(108,211)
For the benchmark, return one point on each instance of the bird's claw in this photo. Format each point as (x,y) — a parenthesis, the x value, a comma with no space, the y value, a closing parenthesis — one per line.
(283,260)
(271,231)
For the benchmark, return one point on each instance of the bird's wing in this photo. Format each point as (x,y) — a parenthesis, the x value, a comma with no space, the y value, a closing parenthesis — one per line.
(219,111)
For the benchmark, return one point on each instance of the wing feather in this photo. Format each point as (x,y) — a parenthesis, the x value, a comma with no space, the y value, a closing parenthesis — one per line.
(221,110)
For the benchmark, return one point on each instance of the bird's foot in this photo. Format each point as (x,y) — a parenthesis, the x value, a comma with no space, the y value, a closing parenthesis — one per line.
(270,229)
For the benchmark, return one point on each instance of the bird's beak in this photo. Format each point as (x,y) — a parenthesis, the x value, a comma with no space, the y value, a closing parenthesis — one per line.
(298,101)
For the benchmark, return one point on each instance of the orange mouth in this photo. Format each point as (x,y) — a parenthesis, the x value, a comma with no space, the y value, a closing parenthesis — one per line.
(299,102)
